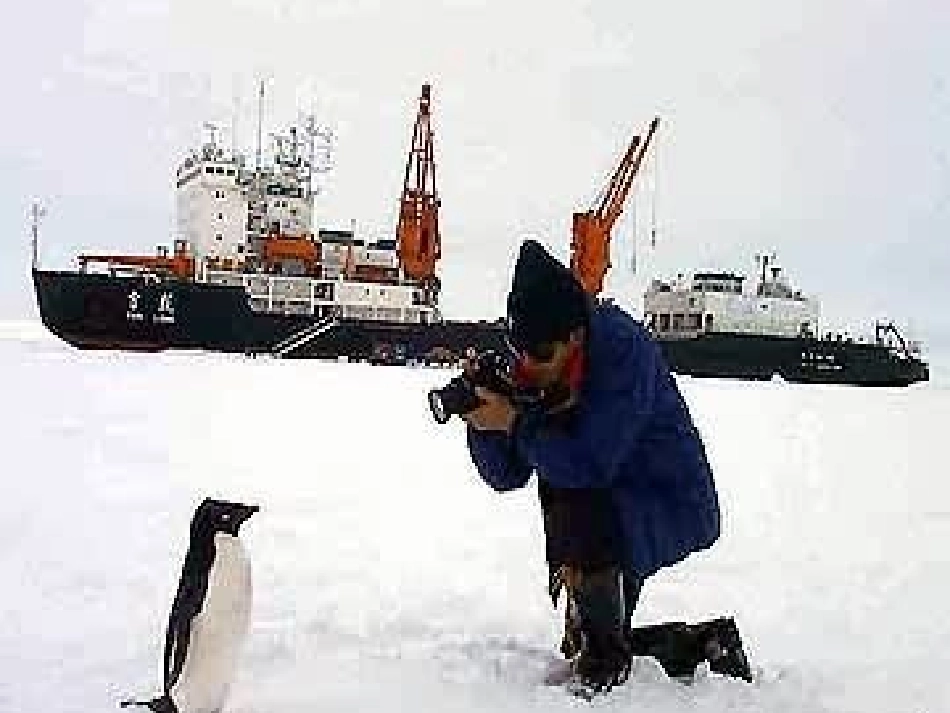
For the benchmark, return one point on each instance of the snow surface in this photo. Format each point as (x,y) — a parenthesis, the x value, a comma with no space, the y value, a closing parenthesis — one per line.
(388,577)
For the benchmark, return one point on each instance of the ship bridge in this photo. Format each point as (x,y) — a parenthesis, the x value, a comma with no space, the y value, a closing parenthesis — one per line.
(720,302)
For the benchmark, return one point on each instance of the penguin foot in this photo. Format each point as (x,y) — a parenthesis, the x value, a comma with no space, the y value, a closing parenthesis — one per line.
(157,705)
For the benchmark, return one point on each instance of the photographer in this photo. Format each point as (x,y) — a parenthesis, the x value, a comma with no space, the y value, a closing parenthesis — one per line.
(623,480)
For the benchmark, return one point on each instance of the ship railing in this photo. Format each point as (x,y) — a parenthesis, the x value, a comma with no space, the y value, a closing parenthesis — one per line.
(675,334)
(280,294)
(303,337)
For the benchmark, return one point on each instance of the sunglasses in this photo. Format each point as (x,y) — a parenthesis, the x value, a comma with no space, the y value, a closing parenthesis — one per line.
(535,352)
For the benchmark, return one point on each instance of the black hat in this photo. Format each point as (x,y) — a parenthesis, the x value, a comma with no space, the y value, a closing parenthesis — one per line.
(546,302)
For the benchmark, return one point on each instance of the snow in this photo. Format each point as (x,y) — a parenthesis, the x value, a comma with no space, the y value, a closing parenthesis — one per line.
(388,577)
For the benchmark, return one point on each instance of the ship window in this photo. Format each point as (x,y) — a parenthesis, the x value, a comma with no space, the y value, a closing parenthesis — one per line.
(209,169)
(220,216)
(709,322)
(230,171)
(664,322)
(695,321)
(219,237)
(677,322)
(240,248)
(219,170)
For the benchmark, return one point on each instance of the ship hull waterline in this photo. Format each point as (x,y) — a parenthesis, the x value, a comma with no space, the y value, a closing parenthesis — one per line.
(138,313)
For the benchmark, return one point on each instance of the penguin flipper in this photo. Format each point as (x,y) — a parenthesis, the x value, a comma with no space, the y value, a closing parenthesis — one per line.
(189,601)
(176,649)
(164,704)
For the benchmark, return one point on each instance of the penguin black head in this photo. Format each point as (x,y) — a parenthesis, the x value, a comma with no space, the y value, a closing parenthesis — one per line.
(214,516)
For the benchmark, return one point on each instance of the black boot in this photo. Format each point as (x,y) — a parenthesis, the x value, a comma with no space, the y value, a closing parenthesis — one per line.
(603,660)
(724,651)
(680,647)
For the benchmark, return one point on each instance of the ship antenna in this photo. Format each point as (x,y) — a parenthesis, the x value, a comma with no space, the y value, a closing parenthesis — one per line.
(260,119)
(656,182)
(213,130)
(37,212)
(319,156)
(235,114)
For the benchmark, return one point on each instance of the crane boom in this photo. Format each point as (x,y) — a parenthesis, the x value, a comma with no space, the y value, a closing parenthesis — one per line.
(590,239)
(417,233)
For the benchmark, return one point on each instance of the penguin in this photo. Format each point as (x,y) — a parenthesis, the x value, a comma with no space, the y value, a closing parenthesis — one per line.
(210,613)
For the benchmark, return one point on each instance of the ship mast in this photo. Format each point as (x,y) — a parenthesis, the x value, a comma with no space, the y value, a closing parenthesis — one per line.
(260,120)
(37,212)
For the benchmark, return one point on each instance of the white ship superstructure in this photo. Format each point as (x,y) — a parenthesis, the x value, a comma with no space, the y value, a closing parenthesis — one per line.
(252,225)
(717,302)
(212,204)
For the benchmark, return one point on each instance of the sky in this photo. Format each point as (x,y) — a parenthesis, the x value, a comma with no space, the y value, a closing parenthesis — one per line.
(815,130)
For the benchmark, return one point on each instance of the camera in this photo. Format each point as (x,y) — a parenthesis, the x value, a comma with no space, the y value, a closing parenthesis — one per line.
(492,372)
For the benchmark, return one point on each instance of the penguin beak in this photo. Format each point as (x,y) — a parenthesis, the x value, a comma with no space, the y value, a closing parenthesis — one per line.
(247,511)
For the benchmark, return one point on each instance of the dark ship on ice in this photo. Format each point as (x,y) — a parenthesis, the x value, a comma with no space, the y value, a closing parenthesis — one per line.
(711,324)
(249,273)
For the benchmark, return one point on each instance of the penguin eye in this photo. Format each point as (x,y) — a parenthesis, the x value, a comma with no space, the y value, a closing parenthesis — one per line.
(226,517)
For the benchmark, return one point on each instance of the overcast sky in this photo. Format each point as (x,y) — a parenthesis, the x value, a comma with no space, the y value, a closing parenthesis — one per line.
(817,130)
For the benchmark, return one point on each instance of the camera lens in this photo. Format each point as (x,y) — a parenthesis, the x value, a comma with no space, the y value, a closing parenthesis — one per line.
(437,407)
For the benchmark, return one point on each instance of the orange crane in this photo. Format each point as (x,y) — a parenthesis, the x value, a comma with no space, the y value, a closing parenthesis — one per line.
(590,231)
(417,232)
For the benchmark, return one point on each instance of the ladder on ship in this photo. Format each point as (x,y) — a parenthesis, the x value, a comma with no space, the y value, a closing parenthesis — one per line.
(302,337)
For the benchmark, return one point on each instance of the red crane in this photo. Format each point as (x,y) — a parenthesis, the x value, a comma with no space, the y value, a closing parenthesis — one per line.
(417,233)
(590,239)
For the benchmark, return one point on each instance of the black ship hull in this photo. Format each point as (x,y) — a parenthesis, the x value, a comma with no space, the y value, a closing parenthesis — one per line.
(134,312)
(793,359)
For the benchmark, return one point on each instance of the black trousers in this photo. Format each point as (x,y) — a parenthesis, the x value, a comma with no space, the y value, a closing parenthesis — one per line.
(582,530)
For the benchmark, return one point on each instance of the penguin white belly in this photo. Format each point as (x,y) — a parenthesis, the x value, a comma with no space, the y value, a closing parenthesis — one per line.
(218,631)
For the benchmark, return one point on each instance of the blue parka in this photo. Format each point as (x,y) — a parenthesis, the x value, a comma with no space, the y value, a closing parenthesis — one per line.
(632,434)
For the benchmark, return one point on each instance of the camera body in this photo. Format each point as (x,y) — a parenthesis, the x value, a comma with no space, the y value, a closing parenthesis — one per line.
(493,372)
